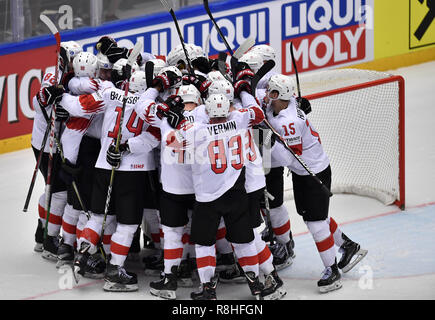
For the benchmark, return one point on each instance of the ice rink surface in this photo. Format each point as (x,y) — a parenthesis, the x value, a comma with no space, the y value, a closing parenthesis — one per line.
(401,244)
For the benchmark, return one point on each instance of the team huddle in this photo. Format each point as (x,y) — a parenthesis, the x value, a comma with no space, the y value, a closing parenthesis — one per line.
(180,151)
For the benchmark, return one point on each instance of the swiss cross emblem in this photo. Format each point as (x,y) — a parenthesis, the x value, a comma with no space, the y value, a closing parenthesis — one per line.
(82,68)
(219,105)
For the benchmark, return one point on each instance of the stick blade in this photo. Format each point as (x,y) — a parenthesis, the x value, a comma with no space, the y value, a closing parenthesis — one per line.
(134,53)
(244,47)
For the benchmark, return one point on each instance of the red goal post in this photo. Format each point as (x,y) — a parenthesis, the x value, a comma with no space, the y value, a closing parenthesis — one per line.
(360,117)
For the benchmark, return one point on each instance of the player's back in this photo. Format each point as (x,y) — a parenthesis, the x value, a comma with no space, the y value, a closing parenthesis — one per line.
(132,126)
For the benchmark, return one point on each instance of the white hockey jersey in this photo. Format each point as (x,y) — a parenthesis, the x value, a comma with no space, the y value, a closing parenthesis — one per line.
(77,127)
(255,178)
(39,122)
(293,125)
(110,101)
(219,153)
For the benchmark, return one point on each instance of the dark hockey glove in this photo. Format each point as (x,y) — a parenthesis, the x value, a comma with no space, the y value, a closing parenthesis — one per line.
(172,109)
(105,44)
(113,157)
(69,172)
(116,53)
(304,104)
(242,85)
(200,82)
(117,78)
(61,113)
(243,71)
(50,95)
(166,80)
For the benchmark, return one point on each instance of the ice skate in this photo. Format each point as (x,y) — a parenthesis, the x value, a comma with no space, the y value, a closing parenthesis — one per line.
(167,285)
(65,255)
(330,280)
(51,244)
(39,238)
(95,266)
(117,279)
(273,289)
(282,255)
(153,265)
(184,274)
(234,274)
(207,291)
(352,254)
(254,284)
(80,261)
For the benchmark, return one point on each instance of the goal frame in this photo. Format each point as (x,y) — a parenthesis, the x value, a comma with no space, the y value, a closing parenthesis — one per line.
(401,129)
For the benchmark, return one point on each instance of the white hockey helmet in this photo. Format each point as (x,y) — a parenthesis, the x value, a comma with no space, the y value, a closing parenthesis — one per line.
(215,76)
(217,106)
(176,71)
(103,61)
(194,51)
(254,60)
(265,51)
(72,49)
(85,64)
(222,86)
(138,82)
(176,56)
(283,84)
(159,64)
(122,63)
(189,93)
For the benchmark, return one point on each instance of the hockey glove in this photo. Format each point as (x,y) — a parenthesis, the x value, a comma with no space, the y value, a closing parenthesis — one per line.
(115,53)
(243,71)
(50,95)
(172,109)
(166,80)
(304,104)
(242,85)
(68,172)
(113,157)
(200,82)
(105,44)
(61,113)
(117,78)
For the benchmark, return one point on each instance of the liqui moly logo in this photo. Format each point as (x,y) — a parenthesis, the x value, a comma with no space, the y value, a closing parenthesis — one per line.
(236,28)
(325,33)
(157,42)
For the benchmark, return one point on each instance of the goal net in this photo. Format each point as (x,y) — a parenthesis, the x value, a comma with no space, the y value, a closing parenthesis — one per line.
(359,115)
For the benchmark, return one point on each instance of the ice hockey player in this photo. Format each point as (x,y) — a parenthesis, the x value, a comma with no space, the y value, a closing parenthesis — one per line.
(165,84)
(128,187)
(219,157)
(48,95)
(177,197)
(81,146)
(255,187)
(311,202)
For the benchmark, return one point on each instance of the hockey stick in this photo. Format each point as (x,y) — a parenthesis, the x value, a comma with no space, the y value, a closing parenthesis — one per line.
(265,68)
(295,68)
(149,73)
(281,140)
(131,59)
(48,185)
(207,8)
(222,66)
(35,171)
(171,11)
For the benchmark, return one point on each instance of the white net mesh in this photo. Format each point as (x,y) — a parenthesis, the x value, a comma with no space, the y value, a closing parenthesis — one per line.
(359,130)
